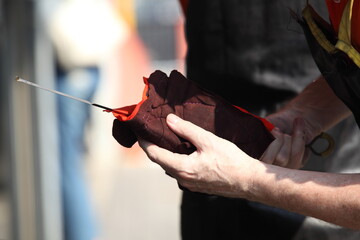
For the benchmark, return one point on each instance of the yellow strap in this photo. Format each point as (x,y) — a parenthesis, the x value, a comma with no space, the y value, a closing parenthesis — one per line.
(315,30)
(344,36)
(345,23)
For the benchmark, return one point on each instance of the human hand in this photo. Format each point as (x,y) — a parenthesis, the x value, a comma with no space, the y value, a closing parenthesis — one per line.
(286,120)
(216,167)
(288,150)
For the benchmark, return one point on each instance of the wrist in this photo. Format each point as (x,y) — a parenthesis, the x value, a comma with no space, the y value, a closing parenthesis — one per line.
(263,183)
(251,185)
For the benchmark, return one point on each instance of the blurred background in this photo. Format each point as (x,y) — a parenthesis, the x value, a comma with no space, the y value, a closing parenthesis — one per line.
(58,157)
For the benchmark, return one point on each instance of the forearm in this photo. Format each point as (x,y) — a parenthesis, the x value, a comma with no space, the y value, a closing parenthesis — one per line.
(219,167)
(331,197)
(317,104)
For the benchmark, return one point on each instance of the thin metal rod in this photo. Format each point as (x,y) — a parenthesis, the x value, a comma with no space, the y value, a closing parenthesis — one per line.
(50,90)
(103,107)
(18,79)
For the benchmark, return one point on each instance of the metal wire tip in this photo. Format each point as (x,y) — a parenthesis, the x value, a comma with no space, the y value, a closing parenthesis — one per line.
(18,79)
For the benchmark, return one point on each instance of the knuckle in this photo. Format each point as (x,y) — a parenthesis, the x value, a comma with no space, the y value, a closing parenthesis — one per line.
(281,161)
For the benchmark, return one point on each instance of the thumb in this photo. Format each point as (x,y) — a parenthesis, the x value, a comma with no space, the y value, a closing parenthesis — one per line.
(169,161)
(187,130)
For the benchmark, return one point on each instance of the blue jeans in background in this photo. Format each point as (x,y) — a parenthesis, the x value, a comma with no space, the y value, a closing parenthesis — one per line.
(79,218)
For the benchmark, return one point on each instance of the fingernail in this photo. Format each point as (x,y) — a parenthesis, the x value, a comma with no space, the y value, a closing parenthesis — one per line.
(172,118)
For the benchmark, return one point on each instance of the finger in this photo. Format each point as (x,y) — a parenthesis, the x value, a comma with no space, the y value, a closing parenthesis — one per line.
(283,156)
(272,151)
(169,161)
(305,157)
(187,130)
(298,144)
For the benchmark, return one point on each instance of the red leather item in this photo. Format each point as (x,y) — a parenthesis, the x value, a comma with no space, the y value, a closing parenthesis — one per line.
(176,94)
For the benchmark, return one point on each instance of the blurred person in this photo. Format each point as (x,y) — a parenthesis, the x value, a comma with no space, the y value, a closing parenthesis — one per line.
(82,31)
(218,167)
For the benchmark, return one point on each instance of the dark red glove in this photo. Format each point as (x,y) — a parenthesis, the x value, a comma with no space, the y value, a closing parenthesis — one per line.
(176,94)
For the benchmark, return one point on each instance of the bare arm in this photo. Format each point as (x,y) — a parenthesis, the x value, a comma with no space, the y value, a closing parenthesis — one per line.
(317,104)
(314,110)
(331,197)
(219,167)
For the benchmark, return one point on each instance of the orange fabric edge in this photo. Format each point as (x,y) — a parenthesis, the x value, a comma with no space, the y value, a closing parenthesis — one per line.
(129,112)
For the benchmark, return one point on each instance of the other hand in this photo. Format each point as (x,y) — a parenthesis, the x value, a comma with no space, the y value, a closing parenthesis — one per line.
(288,150)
